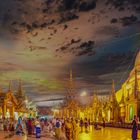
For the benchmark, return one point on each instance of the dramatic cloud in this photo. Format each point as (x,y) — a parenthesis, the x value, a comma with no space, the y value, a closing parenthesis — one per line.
(41,40)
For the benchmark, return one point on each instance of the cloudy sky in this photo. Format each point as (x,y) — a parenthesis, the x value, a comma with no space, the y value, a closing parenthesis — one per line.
(41,40)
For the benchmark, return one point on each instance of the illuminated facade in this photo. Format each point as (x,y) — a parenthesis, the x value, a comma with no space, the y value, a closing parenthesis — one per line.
(7,103)
(129,94)
(73,109)
(14,105)
(120,106)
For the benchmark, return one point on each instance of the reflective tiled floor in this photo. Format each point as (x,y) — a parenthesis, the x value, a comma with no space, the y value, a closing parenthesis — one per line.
(103,134)
(106,134)
(7,136)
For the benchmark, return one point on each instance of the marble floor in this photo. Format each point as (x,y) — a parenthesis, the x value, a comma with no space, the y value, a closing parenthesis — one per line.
(7,136)
(103,134)
(107,134)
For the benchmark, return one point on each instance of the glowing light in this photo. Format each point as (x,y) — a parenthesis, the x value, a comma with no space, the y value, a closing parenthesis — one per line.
(84,93)
(26,101)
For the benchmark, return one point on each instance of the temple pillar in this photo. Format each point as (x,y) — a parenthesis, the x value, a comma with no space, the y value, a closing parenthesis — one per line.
(127,114)
(12,112)
(4,109)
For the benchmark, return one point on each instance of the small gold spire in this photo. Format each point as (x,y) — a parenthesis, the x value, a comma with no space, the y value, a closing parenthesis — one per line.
(20,88)
(71,92)
(114,99)
(10,86)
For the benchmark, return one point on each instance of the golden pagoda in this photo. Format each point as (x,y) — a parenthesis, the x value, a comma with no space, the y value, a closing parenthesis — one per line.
(114,105)
(70,109)
(130,91)
(121,106)
(21,104)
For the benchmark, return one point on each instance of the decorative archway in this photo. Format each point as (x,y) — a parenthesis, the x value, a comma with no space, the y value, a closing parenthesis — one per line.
(131,112)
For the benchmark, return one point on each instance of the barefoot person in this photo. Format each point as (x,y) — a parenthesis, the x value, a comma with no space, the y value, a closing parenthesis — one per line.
(134,128)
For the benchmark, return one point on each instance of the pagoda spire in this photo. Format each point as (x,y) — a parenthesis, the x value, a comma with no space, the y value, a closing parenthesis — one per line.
(113,91)
(110,96)
(20,93)
(10,86)
(70,88)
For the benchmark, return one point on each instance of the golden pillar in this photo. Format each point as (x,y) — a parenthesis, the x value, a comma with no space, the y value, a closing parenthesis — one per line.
(12,112)
(127,114)
(4,109)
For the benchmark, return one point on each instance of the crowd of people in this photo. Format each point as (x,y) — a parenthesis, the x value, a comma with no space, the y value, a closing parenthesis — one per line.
(61,129)
(11,125)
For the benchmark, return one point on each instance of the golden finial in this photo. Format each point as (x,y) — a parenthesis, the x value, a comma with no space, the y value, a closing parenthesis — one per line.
(10,86)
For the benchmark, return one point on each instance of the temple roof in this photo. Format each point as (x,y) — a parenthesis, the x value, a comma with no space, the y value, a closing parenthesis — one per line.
(137,61)
(136,65)
(122,102)
(2,96)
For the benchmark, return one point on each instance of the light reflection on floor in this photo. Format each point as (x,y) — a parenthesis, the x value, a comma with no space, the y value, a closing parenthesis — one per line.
(84,136)
(103,134)
(106,134)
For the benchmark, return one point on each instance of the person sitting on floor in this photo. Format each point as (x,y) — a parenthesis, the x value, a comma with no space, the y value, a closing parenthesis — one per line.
(96,126)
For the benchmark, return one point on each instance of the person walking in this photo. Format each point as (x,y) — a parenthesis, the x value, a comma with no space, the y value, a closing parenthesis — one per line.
(103,123)
(86,125)
(81,124)
(38,128)
(57,128)
(42,124)
(5,124)
(134,128)
(74,129)
(68,129)
(29,126)
(11,126)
